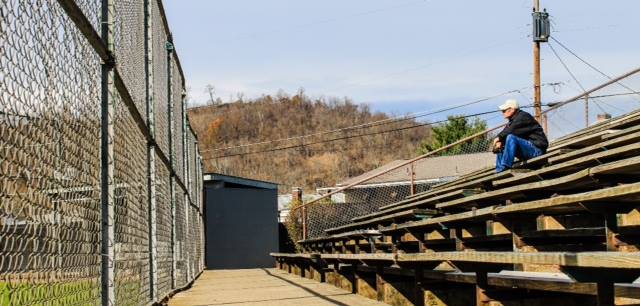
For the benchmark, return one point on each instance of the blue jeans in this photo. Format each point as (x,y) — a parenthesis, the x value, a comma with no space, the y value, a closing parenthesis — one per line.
(513,147)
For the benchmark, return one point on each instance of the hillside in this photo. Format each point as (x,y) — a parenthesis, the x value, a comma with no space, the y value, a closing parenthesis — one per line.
(282,116)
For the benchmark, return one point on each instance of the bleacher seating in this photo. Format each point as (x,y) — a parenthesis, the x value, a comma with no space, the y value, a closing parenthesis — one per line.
(573,213)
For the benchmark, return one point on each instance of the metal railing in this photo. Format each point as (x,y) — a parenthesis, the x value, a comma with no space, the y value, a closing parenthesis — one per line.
(100,174)
(368,193)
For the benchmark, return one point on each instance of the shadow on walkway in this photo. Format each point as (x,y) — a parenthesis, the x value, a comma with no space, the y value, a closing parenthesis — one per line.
(307,289)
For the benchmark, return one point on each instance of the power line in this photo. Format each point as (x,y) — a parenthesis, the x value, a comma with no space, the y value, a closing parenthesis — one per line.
(352,136)
(572,75)
(374,123)
(593,67)
(383,132)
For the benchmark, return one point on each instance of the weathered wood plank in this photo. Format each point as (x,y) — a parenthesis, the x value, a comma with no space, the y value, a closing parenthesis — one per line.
(560,169)
(607,197)
(613,260)
(602,146)
(402,216)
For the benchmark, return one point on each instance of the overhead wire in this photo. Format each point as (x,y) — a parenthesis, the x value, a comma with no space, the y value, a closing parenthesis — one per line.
(348,137)
(393,120)
(573,76)
(354,136)
(592,66)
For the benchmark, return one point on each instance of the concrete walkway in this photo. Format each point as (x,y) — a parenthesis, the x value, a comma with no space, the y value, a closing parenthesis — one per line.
(263,287)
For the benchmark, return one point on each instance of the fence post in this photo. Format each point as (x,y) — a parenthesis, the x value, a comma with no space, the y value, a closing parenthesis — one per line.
(151,157)
(586,111)
(170,103)
(187,259)
(296,197)
(107,188)
(413,178)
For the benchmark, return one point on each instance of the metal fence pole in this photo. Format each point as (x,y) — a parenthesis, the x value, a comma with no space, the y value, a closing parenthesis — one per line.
(151,158)
(187,258)
(107,188)
(170,103)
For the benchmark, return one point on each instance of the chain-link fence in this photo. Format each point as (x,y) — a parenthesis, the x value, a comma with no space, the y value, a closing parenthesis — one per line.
(398,180)
(100,174)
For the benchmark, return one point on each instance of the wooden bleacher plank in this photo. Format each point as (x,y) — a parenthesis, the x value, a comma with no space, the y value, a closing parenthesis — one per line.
(476,180)
(620,122)
(293,255)
(403,215)
(628,166)
(582,179)
(540,281)
(623,132)
(582,141)
(378,257)
(579,181)
(572,165)
(465,177)
(603,146)
(424,200)
(424,212)
(358,234)
(623,195)
(614,260)
(542,159)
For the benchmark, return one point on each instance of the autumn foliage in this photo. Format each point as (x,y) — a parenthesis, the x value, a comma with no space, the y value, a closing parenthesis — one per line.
(308,163)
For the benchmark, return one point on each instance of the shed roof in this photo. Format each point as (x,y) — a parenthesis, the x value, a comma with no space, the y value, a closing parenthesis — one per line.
(239,180)
(427,169)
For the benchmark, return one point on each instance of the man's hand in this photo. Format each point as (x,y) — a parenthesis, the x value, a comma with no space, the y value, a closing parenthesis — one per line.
(497,146)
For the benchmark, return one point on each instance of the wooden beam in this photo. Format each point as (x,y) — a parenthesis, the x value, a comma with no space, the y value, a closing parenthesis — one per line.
(481,289)
(418,287)
(612,260)
(380,283)
(606,294)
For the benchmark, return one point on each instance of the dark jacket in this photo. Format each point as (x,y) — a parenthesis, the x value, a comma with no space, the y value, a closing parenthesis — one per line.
(523,125)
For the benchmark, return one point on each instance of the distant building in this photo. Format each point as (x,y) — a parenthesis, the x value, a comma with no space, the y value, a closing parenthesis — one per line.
(396,184)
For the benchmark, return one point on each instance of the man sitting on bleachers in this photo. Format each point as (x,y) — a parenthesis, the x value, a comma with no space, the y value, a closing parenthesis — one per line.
(523,137)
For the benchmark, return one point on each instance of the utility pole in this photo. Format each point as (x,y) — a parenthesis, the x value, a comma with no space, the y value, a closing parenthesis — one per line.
(541,33)
(537,102)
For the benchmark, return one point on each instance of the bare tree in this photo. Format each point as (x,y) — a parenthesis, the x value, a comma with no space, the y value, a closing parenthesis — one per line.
(211,90)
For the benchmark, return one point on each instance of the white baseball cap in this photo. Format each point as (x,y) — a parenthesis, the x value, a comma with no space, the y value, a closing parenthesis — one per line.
(511,103)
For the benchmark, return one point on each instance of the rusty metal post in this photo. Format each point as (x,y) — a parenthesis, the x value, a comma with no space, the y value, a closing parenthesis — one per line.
(413,178)
(304,223)
(586,111)
(296,197)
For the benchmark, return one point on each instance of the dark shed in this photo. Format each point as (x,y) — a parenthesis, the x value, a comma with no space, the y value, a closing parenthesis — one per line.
(241,222)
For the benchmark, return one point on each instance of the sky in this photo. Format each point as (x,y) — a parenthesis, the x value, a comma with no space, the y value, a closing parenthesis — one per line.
(398,56)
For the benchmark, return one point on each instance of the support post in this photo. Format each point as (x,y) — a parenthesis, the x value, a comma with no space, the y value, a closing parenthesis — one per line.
(380,283)
(107,187)
(481,288)
(456,234)
(611,231)
(418,287)
(606,294)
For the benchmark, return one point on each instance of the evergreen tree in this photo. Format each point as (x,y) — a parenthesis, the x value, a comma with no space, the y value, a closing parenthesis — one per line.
(454,129)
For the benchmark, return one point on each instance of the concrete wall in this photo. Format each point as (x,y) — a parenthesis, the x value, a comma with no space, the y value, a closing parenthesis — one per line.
(241,226)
